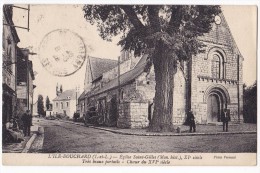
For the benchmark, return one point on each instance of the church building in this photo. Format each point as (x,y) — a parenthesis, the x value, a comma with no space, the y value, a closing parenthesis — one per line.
(123,91)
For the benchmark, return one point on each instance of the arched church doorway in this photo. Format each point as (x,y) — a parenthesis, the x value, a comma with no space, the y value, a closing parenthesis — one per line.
(214,107)
(217,98)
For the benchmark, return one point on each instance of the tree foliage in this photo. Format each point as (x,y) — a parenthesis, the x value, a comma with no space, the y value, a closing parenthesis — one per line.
(47,103)
(168,33)
(61,90)
(250,104)
(40,105)
(141,26)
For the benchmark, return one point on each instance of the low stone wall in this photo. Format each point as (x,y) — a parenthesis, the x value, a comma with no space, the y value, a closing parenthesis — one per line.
(133,115)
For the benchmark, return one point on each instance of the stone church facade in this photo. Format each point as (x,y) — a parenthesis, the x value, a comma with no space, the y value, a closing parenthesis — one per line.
(123,91)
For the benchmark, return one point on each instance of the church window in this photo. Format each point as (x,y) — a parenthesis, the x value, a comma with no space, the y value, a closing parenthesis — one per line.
(215,66)
(218,68)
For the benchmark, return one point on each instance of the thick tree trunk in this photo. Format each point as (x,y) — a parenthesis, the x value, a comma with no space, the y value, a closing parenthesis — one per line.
(165,68)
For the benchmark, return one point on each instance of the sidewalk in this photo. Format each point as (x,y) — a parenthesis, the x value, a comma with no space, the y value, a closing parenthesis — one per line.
(22,146)
(209,129)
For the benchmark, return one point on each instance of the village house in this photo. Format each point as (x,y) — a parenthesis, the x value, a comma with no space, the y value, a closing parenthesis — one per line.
(123,91)
(65,103)
(49,111)
(10,40)
(25,75)
(81,104)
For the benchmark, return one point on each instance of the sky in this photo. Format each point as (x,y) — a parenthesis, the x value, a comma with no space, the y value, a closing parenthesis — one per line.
(46,18)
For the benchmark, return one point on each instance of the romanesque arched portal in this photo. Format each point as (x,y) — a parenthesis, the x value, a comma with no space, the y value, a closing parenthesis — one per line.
(217,98)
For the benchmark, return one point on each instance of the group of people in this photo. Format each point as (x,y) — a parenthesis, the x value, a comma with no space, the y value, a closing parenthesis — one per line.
(225,118)
(12,132)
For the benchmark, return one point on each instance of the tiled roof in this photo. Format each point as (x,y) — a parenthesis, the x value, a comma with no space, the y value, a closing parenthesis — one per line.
(99,66)
(66,95)
(126,77)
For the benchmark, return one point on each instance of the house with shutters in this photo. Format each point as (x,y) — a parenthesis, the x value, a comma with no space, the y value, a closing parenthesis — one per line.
(65,103)
(123,91)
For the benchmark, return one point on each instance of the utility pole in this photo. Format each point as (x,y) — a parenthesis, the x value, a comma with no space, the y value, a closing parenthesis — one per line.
(27,79)
(119,88)
(238,93)
(77,88)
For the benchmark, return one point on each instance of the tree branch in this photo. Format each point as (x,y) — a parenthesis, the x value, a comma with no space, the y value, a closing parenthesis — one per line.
(153,15)
(132,16)
(176,18)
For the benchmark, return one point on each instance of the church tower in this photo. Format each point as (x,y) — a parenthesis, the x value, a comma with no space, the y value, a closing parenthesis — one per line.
(58,91)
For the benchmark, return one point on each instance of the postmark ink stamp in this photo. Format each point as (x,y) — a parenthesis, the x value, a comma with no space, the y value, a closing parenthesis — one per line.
(62,52)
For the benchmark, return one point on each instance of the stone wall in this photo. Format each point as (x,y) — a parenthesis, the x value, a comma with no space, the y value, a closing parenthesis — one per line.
(179,97)
(133,115)
(218,40)
(201,80)
(145,85)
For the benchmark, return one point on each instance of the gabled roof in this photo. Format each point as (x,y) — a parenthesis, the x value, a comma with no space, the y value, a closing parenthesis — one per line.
(82,96)
(66,95)
(126,77)
(221,34)
(98,66)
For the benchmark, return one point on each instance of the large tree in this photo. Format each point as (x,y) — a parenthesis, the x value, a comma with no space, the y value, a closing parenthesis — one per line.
(47,103)
(168,33)
(250,103)
(40,105)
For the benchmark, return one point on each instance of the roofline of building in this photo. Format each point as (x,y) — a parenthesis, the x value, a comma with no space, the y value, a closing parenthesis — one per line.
(101,58)
(116,87)
(10,22)
(62,99)
(99,77)
(128,82)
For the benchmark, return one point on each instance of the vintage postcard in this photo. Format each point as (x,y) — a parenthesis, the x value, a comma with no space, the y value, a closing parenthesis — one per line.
(129,85)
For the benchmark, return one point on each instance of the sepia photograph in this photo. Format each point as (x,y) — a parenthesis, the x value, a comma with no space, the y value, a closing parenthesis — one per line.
(129,84)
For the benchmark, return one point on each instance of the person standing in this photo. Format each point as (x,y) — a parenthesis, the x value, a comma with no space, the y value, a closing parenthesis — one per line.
(27,122)
(225,120)
(191,120)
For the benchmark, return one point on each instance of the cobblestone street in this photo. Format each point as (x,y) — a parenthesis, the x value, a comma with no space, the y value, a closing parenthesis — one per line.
(72,138)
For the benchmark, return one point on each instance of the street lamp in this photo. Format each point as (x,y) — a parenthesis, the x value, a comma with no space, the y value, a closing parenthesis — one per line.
(77,88)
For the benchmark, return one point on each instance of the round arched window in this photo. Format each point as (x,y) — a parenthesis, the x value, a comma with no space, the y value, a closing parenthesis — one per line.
(215,66)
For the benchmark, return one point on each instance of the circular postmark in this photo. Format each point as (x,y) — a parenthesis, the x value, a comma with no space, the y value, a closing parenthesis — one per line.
(62,52)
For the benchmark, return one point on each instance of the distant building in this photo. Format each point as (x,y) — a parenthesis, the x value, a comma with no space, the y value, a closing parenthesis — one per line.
(65,103)
(50,112)
(35,109)
(81,104)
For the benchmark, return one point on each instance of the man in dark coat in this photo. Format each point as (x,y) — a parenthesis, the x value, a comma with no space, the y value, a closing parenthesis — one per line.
(27,122)
(191,120)
(225,119)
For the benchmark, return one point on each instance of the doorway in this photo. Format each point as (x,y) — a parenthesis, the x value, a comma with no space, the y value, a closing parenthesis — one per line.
(213,108)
